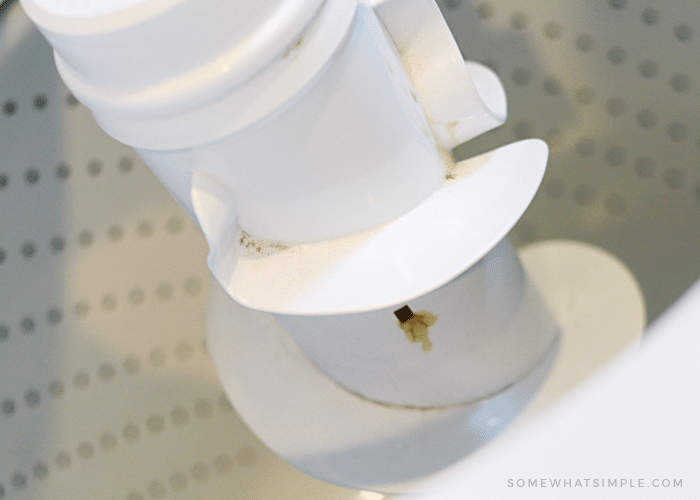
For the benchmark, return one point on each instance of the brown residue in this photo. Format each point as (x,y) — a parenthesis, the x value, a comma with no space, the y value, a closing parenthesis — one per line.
(415,326)
(260,247)
(448,160)
(452,129)
(294,47)
(446,156)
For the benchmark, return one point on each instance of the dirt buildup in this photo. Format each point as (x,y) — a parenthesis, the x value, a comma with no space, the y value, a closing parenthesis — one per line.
(258,246)
(415,326)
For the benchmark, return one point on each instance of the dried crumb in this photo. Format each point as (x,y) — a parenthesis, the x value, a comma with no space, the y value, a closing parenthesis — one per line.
(260,247)
(416,328)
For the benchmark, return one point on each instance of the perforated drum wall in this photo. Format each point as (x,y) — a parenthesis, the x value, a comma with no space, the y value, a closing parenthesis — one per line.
(106,388)
(613,86)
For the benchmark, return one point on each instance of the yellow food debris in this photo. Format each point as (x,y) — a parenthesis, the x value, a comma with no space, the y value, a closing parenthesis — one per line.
(416,328)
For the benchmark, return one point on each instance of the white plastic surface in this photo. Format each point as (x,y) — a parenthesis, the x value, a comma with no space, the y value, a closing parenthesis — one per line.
(461,101)
(92,8)
(628,432)
(107,390)
(337,436)
(597,303)
(335,151)
(331,433)
(460,223)
(126,65)
(633,195)
(487,329)
(210,101)
(240,38)
(350,153)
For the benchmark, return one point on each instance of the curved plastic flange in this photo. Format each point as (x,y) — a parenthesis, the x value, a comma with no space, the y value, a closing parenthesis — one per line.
(332,434)
(461,100)
(480,201)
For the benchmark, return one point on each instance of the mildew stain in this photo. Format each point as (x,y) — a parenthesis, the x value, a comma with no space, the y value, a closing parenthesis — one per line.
(452,129)
(294,47)
(415,326)
(448,160)
(259,247)
(446,156)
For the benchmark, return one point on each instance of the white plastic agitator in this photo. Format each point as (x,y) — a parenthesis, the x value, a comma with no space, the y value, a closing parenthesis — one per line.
(370,289)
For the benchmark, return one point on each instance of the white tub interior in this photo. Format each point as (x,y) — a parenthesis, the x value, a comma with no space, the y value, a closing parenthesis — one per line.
(106,388)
